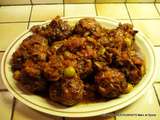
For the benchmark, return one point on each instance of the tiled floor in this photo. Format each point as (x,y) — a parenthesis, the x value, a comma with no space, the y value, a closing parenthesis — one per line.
(46,1)
(9,31)
(78,1)
(14,13)
(117,11)
(22,112)
(9,2)
(145,11)
(140,1)
(46,10)
(80,10)
(148,27)
(147,105)
(102,117)
(157,89)
(2,87)
(157,51)
(6,102)
(16,19)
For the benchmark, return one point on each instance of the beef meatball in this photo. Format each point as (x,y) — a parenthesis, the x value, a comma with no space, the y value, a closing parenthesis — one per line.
(135,74)
(53,69)
(34,47)
(31,69)
(55,31)
(132,66)
(89,26)
(29,78)
(68,91)
(74,43)
(128,31)
(32,84)
(111,82)
(28,83)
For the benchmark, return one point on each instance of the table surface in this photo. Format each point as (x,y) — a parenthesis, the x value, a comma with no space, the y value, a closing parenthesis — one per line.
(16,19)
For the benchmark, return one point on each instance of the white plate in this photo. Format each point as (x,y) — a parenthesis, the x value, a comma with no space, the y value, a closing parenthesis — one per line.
(81,110)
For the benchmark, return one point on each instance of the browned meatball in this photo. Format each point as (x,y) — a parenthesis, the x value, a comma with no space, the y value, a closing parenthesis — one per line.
(111,82)
(127,30)
(74,43)
(89,26)
(55,31)
(29,77)
(68,91)
(53,70)
(32,84)
(135,75)
(31,69)
(28,83)
(136,72)
(132,66)
(34,47)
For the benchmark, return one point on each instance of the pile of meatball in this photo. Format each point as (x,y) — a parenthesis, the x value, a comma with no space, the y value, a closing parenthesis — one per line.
(84,62)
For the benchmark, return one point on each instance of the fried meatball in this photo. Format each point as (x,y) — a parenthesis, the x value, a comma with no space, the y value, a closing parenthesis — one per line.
(122,37)
(34,47)
(132,66)
(135,75)
(111,82)
(127,30)
(32,84)
(55,31)
(53,69)
(136,71)
(68,91)
(28,83)
(74,43)
(29,77)
(31,69)
(89,26)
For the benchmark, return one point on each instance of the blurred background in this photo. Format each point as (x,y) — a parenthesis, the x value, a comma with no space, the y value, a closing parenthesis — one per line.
(13,2)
